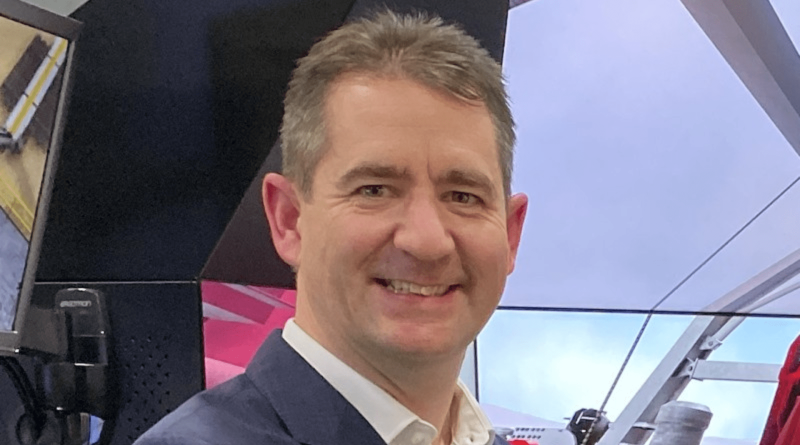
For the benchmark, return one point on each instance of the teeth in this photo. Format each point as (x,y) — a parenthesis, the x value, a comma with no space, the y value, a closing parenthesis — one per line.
(405,287)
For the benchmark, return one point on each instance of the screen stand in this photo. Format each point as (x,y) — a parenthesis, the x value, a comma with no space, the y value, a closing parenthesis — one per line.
(73,380)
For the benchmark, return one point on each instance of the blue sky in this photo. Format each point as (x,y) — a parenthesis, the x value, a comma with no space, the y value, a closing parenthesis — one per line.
(641,152)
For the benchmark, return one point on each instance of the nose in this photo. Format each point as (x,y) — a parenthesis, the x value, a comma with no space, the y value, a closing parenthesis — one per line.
(424,231)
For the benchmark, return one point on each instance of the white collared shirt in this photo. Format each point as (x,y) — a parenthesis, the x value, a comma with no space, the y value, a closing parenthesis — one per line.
(395,423)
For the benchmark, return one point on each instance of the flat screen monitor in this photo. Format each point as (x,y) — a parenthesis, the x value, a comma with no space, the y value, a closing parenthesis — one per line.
(36,49)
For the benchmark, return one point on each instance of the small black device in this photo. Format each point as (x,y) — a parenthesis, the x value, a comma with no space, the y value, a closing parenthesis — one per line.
(588,425)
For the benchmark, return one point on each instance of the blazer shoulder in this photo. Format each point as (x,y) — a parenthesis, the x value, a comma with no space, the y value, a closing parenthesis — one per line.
(234,412)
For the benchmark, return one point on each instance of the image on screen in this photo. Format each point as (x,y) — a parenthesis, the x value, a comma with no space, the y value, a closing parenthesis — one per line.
(31,73)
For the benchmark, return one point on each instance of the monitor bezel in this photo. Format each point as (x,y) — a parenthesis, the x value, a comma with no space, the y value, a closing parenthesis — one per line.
(68,29)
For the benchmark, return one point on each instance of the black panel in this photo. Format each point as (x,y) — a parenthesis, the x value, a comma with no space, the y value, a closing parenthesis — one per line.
(245,253)
(253,53)
(157,336)
(173,110)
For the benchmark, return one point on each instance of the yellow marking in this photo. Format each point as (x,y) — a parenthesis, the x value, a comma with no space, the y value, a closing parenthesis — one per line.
(62,46)
(17,210)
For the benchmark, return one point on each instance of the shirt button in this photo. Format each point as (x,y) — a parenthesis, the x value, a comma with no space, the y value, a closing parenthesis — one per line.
(417,438)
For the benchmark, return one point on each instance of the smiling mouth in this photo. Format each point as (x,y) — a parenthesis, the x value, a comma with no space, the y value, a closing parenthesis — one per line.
(406,287)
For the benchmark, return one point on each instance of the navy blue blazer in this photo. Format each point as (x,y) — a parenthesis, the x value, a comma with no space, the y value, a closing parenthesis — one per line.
(279,400)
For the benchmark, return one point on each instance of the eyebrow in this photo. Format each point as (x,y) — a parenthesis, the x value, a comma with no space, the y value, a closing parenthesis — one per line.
(375,171)
(457,177)
(469,178)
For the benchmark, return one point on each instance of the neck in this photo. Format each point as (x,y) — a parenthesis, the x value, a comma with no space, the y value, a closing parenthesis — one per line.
(447,431)
(426,386)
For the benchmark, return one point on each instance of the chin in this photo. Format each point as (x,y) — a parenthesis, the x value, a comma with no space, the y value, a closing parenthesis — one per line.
(424,343)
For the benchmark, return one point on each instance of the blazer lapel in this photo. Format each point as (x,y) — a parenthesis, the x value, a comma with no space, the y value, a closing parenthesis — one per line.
(313,411)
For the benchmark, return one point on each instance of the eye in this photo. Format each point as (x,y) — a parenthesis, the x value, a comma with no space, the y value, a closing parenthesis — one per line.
(464,198)
(372,191)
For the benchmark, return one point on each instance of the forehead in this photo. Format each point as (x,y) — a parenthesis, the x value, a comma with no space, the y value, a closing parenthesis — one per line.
(395,89)
(374,118)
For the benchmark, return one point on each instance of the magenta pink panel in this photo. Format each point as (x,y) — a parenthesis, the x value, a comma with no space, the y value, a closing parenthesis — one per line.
(237,319)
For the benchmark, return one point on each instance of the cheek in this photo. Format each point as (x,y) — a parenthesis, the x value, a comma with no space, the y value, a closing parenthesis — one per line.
(345,242)
(360,233)
(486,246)
(484,254)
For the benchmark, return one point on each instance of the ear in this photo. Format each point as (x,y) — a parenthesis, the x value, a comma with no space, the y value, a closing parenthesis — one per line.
(282,207)
(517,208)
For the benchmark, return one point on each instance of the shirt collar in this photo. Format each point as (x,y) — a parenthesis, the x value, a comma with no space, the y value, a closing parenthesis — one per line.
(395,423)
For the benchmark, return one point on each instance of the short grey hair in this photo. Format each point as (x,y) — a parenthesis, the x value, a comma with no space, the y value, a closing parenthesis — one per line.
(418,47)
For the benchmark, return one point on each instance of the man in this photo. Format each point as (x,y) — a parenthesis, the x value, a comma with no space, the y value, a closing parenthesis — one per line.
(394,210)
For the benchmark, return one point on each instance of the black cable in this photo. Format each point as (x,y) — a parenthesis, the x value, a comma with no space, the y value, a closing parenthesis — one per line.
(28,387)
(20,381)
(24,389)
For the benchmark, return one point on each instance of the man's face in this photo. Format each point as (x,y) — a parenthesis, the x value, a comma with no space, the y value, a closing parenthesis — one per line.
(406,239)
